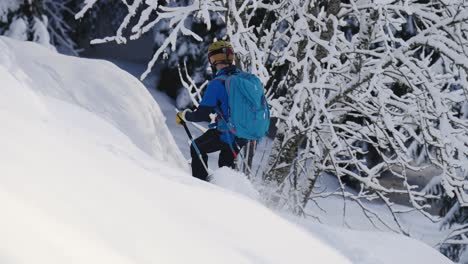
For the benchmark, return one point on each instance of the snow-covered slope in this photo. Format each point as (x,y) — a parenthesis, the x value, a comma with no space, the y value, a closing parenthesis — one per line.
(90,174)
(97,86)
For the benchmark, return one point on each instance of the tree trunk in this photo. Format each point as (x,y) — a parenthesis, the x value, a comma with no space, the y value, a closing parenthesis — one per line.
(288,140)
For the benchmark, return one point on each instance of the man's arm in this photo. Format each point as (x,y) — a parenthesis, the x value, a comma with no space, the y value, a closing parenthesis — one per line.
(201,114)
(208,104)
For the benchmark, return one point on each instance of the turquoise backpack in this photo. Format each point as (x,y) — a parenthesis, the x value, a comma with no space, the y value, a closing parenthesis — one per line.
(249,114)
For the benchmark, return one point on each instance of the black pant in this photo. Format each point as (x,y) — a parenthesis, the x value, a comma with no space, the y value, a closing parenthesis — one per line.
(210,142)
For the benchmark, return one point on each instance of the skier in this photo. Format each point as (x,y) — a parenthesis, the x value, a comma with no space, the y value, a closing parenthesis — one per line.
(215,100)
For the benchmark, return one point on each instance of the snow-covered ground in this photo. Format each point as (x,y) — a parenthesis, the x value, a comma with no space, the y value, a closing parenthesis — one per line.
(90,173)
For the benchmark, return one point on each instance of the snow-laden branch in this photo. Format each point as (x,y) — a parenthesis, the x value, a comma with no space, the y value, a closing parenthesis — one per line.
(376,108)
(151,14)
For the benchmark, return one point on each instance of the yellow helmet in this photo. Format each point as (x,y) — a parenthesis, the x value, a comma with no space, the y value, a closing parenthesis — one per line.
(220,52)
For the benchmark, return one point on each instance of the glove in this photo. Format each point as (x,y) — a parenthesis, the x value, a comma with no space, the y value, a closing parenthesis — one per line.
(180,117)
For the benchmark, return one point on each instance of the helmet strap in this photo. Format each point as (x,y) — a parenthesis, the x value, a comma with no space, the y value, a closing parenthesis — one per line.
(213,69)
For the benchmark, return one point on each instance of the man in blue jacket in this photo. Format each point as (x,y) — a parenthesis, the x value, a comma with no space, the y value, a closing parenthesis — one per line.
(215,100)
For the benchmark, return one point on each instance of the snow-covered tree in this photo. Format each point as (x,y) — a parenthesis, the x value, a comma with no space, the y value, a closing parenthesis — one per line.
(184,26)
(24,20)
(386,103)
(41,21)
(390,89)
(190,52)
(456,224)
(61,25)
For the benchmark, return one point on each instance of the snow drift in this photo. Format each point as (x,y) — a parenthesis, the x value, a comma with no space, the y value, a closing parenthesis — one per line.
(90,174)
(97,86)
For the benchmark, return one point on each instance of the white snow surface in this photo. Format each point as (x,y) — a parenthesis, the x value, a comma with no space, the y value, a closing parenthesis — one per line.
(90,174)
(234,181)
(96,86)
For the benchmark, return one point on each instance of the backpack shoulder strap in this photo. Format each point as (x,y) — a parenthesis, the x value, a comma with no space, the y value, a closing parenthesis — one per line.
(222,78)
(226,81)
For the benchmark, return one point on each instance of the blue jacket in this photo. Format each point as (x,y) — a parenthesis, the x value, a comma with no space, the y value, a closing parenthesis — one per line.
(215,98)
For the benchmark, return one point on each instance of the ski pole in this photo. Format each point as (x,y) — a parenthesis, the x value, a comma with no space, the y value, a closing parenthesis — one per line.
(184,124)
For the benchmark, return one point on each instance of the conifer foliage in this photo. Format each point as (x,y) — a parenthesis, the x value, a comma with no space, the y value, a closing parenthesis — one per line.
(24,20)
(47,22)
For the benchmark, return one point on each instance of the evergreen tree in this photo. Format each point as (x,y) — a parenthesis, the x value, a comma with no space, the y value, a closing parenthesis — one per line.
(25,20)
(47,22)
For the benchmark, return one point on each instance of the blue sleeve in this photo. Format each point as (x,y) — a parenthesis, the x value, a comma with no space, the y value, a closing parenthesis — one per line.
(211,96)
(208,103)
(201,114)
